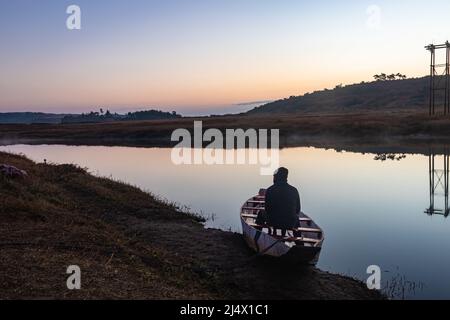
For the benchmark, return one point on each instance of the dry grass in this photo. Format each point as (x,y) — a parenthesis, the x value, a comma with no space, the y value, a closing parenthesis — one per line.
(61,216)
(295,129)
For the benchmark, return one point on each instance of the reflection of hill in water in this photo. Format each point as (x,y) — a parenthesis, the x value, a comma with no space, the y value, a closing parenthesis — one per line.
(389,156)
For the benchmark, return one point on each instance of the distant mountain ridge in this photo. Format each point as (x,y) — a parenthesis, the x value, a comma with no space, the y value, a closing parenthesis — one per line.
(30,117)
(366,96)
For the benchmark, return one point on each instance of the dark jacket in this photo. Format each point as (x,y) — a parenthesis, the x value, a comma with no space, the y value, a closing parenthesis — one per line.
(283,206)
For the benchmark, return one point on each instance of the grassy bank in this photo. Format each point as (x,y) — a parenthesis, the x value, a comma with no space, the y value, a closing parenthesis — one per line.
(131,245)
(367,129)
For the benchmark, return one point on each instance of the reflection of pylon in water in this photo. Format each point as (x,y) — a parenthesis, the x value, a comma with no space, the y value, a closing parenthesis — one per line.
(439,184)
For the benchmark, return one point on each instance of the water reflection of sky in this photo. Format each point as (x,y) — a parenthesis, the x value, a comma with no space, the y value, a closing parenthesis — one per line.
(372,211)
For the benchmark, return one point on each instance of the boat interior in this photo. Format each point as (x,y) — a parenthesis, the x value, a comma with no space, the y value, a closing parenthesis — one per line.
(308,234)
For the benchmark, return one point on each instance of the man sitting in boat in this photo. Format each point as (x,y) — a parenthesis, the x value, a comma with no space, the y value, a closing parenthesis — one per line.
(282,203)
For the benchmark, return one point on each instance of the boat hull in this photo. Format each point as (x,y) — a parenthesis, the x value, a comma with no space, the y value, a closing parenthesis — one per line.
(260,241)
(304,249)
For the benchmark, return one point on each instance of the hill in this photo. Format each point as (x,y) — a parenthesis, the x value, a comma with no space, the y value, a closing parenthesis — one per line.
(396,95)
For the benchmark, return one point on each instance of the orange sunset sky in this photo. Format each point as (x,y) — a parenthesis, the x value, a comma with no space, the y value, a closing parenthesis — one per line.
(204,56)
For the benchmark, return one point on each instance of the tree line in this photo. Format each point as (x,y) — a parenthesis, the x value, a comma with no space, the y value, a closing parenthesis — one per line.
(389,77)
(107,116)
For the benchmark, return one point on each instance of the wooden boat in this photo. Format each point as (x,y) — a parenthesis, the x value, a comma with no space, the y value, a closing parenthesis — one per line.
(302,245)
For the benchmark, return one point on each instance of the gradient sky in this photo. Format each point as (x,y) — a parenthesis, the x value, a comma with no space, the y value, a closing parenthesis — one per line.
(201,55)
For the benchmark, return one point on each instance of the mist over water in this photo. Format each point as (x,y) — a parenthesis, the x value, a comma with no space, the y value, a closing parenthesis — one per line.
(372,212)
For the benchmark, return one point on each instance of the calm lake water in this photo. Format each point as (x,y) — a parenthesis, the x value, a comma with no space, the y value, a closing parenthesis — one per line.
(372,212)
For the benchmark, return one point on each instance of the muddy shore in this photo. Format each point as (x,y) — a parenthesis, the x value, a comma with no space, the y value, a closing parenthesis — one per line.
(130,245)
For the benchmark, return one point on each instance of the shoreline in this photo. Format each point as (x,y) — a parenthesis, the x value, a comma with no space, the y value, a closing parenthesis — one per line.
(369,132)
(421,145)
(130,245)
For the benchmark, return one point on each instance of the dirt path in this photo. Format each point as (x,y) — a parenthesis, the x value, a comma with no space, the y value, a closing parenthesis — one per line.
(225,260)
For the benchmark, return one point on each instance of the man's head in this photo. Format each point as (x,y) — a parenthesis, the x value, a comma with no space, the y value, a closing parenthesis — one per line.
(281,175)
